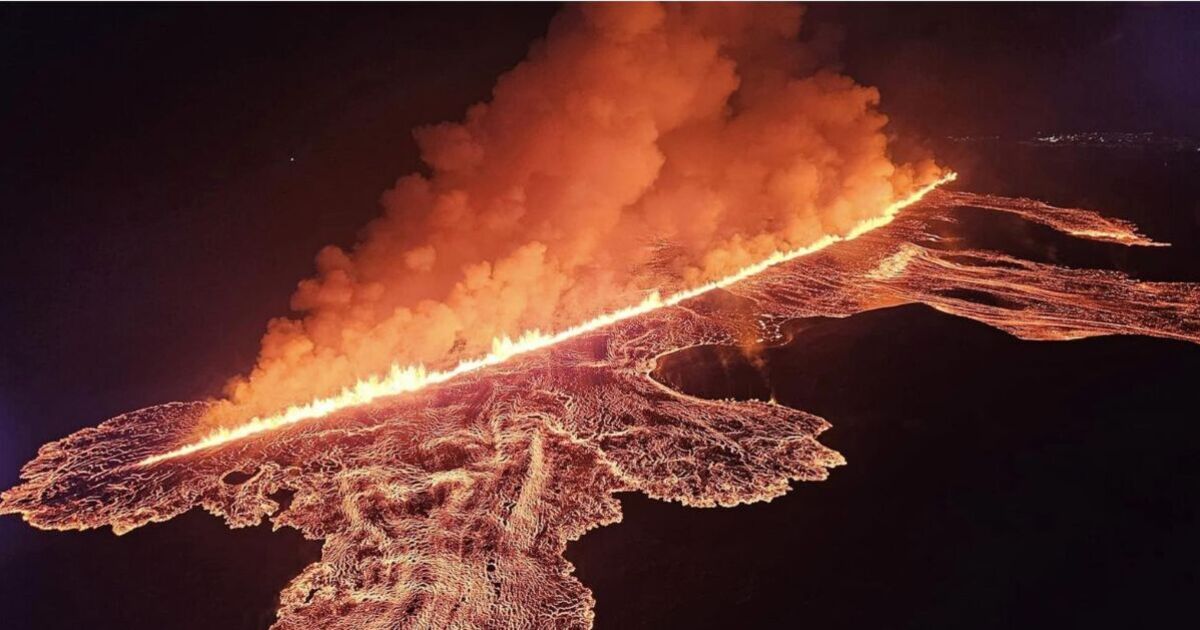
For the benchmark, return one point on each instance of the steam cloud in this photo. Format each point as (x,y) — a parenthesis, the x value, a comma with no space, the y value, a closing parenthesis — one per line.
(638,147)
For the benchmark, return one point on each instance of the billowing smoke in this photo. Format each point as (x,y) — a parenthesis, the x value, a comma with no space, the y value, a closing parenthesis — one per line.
(637,147)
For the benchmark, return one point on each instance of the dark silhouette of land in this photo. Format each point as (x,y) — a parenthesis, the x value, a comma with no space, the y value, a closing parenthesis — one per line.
(991,482)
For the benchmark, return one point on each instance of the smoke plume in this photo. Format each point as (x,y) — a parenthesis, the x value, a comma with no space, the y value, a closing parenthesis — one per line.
(638,147)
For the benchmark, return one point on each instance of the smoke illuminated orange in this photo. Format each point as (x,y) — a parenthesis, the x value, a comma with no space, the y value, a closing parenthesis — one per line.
(654,185)
(404,379)
(453,506)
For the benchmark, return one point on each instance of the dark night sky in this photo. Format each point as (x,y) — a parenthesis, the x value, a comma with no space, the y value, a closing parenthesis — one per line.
(982,69)
(169,172)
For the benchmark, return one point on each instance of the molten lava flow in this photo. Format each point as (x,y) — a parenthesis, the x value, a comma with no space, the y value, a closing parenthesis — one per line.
(451,506)
(404,379)
(1086,225)
(637,147)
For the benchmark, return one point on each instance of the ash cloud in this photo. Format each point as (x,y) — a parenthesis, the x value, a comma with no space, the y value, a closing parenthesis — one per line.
(637,147)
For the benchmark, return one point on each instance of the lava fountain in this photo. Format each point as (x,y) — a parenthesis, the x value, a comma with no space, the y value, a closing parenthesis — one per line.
(689,173)
(404,379)
(450,506)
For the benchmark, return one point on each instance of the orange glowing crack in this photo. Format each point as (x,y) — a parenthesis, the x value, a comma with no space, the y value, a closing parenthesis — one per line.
(404,379)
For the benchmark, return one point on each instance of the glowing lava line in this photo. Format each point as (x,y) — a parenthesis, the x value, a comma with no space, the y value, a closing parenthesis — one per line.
(404,379)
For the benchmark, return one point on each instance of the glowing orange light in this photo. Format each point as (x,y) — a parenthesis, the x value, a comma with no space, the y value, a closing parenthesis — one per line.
(404,379)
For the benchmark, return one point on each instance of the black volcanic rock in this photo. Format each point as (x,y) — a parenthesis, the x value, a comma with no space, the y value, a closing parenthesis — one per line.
(991,483)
